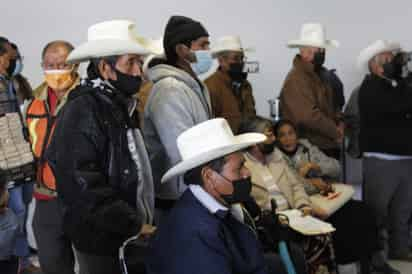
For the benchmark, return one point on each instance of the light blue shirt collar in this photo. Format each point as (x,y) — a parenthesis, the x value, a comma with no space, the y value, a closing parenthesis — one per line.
(206,199)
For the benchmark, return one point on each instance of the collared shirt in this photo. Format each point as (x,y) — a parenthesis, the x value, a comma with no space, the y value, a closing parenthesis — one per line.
(206,199)
(212,205)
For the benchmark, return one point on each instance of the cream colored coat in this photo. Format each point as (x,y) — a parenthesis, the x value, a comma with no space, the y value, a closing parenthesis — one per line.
(287,180)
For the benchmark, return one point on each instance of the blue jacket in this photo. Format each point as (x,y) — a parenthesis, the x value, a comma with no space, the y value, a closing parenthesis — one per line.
(192,240)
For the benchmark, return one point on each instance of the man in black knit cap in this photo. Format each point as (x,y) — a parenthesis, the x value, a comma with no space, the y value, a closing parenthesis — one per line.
(178,101)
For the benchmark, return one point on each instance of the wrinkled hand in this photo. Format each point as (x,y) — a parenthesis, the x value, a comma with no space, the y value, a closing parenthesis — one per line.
(4,200)
(320,213)
(147,230)
(304,169)
(341,133)
(307,210)
(323,187)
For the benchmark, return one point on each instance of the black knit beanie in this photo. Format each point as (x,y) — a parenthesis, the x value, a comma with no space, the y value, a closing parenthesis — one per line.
(181,29)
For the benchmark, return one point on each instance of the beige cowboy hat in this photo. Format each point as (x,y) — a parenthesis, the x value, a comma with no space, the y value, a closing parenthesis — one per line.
(115,37)
(313,35)
(208,141)
(229,43)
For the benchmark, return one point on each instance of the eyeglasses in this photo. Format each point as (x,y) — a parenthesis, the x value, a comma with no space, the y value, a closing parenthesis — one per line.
(64,66)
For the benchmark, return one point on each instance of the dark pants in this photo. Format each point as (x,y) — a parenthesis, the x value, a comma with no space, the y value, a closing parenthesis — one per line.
(388,192)
(93,264)
(55,251)
(356,235)
(10,266)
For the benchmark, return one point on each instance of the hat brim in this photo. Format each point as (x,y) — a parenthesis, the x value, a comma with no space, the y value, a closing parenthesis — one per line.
(104,48)
(367,54)
(241,141)
(302,43)
(216,51)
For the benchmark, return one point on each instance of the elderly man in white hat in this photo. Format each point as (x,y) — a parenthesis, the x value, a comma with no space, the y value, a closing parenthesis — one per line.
(97,153)
(230,91)
(203,233)
(385,105)
(306,98)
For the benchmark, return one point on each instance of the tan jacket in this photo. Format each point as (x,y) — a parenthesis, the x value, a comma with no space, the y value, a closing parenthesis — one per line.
(308,103)
(142,97)
(224,102)
(288,182)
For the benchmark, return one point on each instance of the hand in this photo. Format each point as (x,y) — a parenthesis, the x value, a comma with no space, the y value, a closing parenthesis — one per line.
(304,169)
(306,211)
(320,213)
(341,133)
(324,187)
(147,230)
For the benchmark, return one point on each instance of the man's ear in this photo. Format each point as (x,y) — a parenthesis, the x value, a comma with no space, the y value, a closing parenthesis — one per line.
(106,71)
(209,181)
(181,51)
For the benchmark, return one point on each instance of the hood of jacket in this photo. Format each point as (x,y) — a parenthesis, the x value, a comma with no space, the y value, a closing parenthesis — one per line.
(161,71)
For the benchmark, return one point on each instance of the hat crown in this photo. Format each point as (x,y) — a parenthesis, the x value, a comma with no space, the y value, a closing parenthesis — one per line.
(210,135)
(313,32)
(114,29)
(230,42)
(377,47)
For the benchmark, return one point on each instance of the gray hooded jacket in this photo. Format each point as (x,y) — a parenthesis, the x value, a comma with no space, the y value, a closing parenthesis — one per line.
(177,102)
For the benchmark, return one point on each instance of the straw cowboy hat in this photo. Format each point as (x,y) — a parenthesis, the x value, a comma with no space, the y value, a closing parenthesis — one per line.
(115,37)
(229,43)
(208,141)
(313,35)
(377,47)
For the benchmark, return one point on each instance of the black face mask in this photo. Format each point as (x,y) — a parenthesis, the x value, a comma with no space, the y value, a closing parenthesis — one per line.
(236,72)
(267,148)
(318,59)
(127,84)
(392,70)
(12,66)
(241,191)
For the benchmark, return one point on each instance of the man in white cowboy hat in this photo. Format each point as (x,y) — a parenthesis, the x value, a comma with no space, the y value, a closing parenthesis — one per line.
(385,105)
(230,92)
(306,99)
(203,233)
(97,153)
(177,101)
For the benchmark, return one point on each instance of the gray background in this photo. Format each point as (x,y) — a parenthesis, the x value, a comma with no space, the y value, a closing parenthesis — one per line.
(263,24)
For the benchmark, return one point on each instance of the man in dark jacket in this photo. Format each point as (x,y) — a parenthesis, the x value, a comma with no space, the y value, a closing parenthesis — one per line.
(207,231)
(97,152)
(385,105)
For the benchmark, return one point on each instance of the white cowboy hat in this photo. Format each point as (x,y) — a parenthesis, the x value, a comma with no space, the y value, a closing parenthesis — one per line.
(208,141)
(313,35)
(229,43)
(377,47)
(115,37)
(156,47)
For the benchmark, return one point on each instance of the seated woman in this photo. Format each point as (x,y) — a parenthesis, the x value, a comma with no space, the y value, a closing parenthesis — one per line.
(355,238)
(356,235)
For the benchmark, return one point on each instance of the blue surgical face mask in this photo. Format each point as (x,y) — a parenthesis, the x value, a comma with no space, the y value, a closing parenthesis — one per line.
(18,68)
(203,62)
